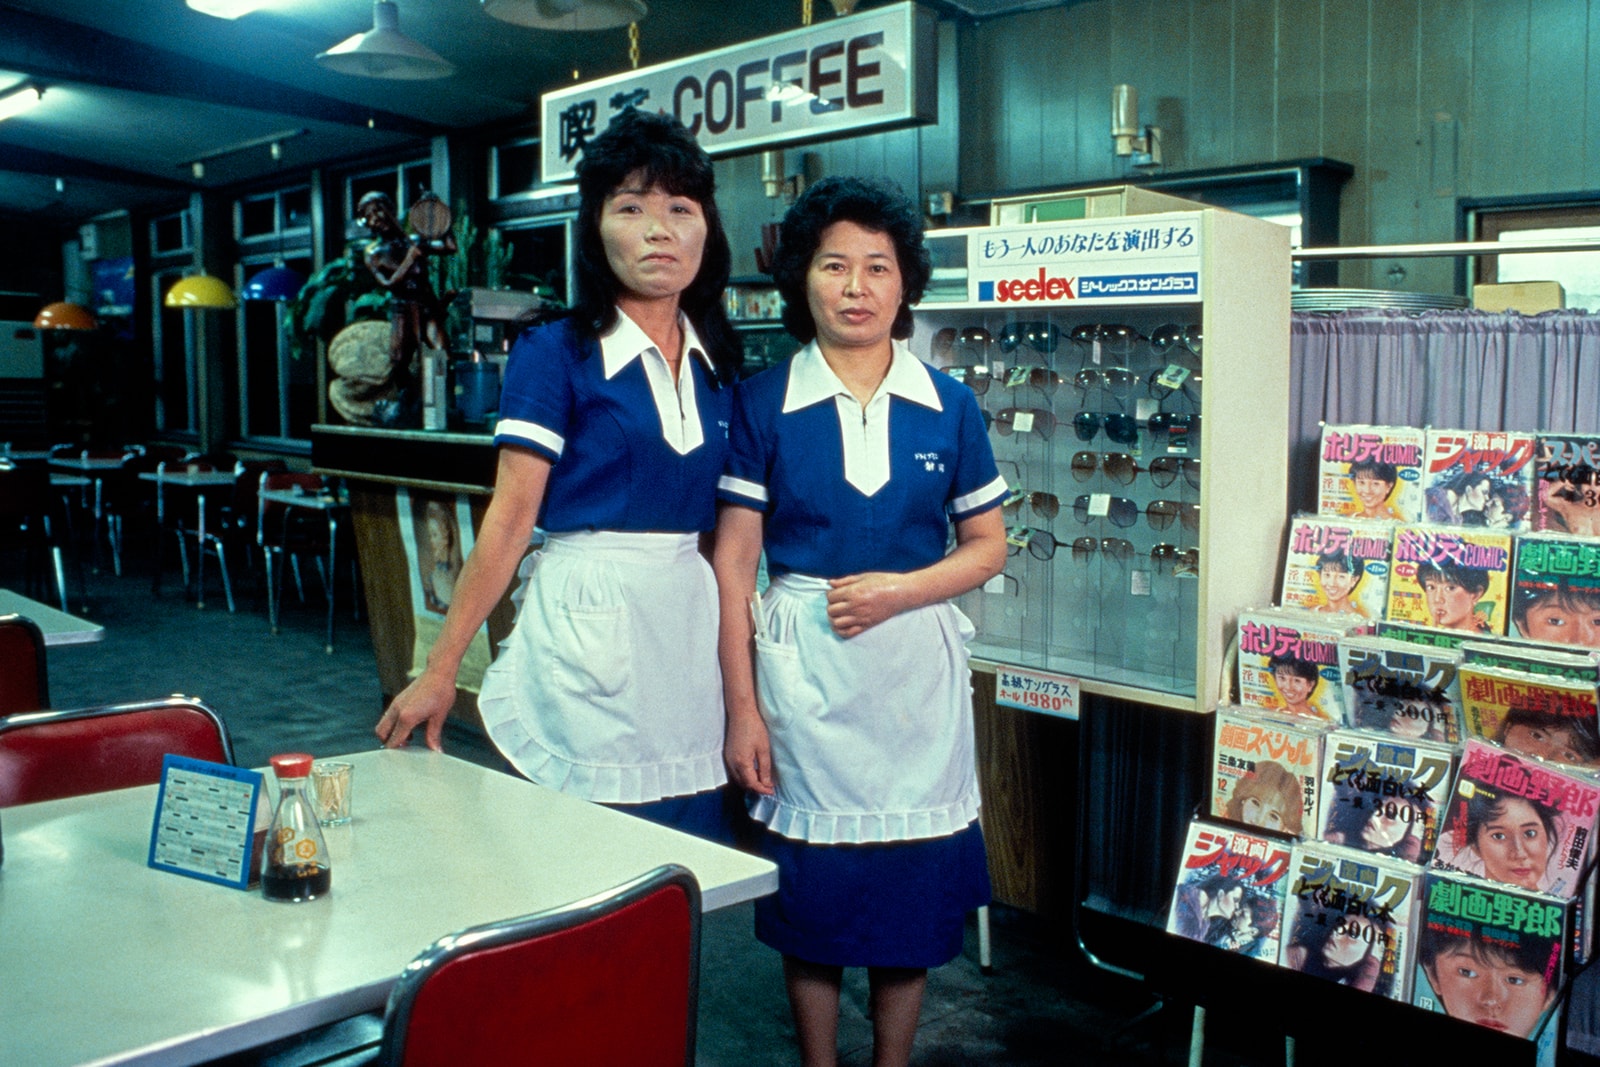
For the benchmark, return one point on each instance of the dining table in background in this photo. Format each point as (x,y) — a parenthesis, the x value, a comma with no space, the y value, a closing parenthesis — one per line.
(200,483)
(333,507)
(109,961)
(58,627)
(97,469)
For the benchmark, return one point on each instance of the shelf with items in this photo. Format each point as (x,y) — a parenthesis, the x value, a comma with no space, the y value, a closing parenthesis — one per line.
(1134,375)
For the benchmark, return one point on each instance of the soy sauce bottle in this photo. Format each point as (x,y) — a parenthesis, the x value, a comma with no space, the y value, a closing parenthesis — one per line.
(294,865)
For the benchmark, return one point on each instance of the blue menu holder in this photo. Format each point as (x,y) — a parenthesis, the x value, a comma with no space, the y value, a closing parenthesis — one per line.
(205,819)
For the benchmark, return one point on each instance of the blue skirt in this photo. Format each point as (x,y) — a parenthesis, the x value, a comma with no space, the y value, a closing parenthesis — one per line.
(900,904)
(716,814)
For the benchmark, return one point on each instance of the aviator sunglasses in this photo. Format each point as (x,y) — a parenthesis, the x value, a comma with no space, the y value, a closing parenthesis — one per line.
(1121,428)
(1119,466)
(1119,509)
(1025,420)
(1043,337)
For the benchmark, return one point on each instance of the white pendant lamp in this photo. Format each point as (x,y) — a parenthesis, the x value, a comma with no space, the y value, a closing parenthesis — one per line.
(567,14)
(385,52)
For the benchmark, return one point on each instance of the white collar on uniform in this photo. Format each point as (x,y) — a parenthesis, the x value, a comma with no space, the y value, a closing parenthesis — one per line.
(627,341)
(811,380)
(675,401)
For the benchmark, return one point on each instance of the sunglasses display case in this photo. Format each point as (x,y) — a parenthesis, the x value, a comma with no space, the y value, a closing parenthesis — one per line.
(1133,373)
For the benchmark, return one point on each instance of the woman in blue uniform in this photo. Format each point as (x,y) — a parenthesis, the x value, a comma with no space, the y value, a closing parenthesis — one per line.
(612,434)
(848,696)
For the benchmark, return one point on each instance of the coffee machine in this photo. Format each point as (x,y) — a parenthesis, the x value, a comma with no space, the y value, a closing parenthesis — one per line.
(488,321)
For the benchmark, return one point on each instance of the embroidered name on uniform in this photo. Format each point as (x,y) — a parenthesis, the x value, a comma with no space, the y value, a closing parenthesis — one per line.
(929,460)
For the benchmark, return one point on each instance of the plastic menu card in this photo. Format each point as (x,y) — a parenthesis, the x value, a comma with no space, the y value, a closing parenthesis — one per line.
(205,820)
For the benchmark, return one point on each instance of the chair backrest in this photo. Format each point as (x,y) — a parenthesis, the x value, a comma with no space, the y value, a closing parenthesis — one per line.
(24,683)
(51,754)
(612,981)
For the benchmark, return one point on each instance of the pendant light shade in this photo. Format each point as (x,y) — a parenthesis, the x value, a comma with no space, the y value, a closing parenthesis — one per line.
(200,291)
(274,283)
(567,14)
(385,52)
(63,315)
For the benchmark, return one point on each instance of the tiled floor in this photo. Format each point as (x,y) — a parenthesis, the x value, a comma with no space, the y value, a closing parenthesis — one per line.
(1042,1005)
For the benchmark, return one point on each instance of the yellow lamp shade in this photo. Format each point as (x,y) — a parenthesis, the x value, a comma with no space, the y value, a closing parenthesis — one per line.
(200,291)
(64,315)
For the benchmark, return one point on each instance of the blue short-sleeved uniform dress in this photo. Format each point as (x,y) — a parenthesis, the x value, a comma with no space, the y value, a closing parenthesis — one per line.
(608,687)
(874,822)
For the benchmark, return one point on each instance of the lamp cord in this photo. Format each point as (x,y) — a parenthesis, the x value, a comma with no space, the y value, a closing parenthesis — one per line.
(633,43)
(805,12)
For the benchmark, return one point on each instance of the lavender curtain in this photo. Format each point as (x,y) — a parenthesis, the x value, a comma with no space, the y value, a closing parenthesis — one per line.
(1468,370)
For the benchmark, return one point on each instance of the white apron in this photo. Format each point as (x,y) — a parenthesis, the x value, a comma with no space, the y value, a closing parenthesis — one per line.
(608,687)
(872,736)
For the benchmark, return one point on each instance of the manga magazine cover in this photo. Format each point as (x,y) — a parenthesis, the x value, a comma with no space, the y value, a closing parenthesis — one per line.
(1475,478)
(1408,690)
(1533,714)
(1492,955)
(1371,472)
(1567,476)
(1413,634)
(1383,795)
(1337,565)
(1450,578)
(1289,662)
(1230,890)
(1518,820)
(1267,770)
(1570,664)
(1350,918)
(1555,590)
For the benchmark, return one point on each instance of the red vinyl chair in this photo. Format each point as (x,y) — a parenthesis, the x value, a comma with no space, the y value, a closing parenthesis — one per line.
(611,981)
(24,684)
(51,754)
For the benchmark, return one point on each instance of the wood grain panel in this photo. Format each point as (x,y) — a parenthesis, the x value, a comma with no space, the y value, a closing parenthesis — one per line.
(1537,137)
(1494,136)
(1396,126)
(1299,132)
(1211,85)
(1255,56)
(1346,98)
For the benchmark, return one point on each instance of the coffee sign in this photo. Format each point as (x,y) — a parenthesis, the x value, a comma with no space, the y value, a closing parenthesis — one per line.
(871,71)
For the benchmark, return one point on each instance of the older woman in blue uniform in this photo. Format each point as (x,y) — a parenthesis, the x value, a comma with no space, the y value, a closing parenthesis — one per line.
(612,434)
(849,710)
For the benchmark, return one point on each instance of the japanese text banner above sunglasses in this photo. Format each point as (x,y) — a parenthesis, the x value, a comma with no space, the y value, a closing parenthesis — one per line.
(1140,259)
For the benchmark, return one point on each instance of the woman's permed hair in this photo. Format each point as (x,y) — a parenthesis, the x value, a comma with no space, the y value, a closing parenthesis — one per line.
(879,206)
(665,156)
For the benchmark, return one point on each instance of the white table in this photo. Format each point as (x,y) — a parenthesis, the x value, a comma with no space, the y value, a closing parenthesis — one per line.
(105,961)
(58,627)
(332,507)
(96,469)
(200,483)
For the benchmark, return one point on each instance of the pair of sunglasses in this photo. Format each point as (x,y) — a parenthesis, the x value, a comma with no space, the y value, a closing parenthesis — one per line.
(1041,544)
(1176,335)
(976,378)
(1118,381)
(1123,429)
(1045,505)
(1042,337)
(1185,562)
(1172,422)
(1162,513)
(1119,509)
(962,345)
(1118,548)
(1119,466)
(1107,336)
(1025,420)
(1174,378)
(1164,470)
(1043,379)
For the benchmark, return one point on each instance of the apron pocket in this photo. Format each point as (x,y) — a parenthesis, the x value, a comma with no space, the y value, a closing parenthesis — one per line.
(593,650)
(782,686)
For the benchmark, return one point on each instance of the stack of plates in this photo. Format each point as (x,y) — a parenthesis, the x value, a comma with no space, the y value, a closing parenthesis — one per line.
(1366,299)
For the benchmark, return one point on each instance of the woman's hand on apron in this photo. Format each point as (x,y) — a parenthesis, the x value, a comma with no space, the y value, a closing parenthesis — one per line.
(858,602)
(426,700)
(748,753)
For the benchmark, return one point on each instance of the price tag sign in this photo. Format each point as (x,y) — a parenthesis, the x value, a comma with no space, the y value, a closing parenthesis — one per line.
(205,820)
(1052,694)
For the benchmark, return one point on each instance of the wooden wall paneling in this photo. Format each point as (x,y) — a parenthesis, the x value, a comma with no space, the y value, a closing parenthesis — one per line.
(1545,139)
(1396,136)
(1299,126)
(1211,86)
(1496,128)
(1166,80)
(939,145)
(1444,79)
(1346,88)
(1129,58)
(980,103)
(1255,59)
(1590,123)
(1034,63)
(384,581)
(1076,108)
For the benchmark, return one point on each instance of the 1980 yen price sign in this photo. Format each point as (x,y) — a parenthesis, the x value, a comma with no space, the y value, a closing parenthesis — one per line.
(1053,694)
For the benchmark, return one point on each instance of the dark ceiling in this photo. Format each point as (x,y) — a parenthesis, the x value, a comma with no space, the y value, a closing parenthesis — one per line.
(136,90)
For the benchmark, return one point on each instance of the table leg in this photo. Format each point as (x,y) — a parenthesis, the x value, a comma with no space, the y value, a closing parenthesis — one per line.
(200,546)
(333,573)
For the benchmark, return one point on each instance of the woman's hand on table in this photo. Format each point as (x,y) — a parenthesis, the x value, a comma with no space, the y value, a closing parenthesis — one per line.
(427,700)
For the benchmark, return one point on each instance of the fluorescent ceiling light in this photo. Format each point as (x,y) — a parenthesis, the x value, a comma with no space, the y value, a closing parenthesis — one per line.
(226,9)
(16,102)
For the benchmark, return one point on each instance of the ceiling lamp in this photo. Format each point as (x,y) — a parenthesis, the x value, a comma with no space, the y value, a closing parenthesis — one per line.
(567,14)
(19,100)
(274,283)
(200,291)
(226,9)
(385,52)
(64,315)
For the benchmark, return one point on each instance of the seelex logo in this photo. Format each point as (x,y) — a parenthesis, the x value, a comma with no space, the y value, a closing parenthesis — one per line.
(1041,287)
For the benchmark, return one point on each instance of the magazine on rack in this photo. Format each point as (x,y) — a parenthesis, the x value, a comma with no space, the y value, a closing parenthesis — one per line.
(1267,770)
(1492,955)
(1337,565)
(1519,820)
(1533,714)
(1383,795)
(1555,590)
(1569,664)
(1289,662)
(1408,690)
(1413,634)
(1567,472)
(1476,478)
(1371,472)
(1230,890)
(1450,578)
(1350,918)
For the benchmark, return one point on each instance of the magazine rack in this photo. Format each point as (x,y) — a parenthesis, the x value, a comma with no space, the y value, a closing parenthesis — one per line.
(1134,375)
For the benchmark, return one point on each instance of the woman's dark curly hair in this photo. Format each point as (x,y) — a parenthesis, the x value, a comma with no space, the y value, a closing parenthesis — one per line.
(667,157)
(876,205)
